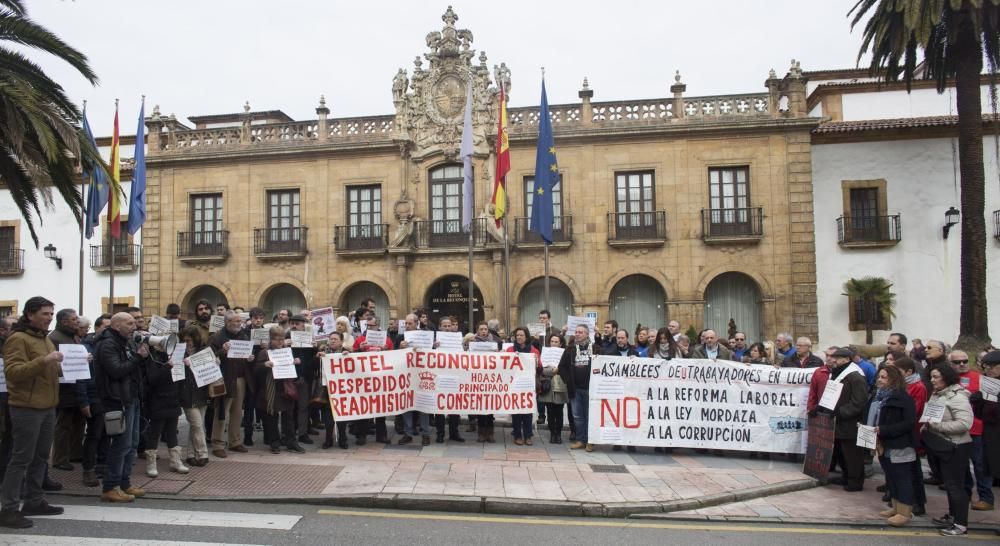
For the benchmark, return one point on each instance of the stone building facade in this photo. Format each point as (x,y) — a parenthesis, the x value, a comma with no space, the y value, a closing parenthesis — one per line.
(698,209)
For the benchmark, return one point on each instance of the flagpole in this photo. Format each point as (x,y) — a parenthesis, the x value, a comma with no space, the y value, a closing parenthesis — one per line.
(111,246)
(547,277)
(506,275)
(472,292)
(83,218)
(140,140)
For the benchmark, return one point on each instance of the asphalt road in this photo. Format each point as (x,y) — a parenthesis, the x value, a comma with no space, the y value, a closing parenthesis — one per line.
(249,523)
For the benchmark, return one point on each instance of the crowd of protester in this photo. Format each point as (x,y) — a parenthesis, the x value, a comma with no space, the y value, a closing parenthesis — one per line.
(132,403)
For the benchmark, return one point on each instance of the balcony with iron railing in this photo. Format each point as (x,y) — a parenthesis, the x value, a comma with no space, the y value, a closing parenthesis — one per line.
(450,235)
(637,228)
(727,226)
(562,232)
(124,257)
(361,239)
(868,231)
(202,246)
(280,243)
(11,262)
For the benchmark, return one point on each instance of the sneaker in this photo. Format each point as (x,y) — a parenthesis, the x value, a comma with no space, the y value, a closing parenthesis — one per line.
(954,531)
(305,439)
(294,447)
(576,445)
(41,508)
(135,491)
(51,485)
(944,521)
(116,495)
(590,447)
(14,519)
(518,442)
(982,506)
(405,439)
(528,442)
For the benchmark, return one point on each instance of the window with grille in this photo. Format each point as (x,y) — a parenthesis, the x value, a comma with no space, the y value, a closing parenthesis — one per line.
(364,213)
(635,205)
(729,195)
(283,219)
(446,200)
(206,219)
(557,204)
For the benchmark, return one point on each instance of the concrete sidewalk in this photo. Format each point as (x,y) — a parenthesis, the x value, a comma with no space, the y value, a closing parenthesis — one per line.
(543,479)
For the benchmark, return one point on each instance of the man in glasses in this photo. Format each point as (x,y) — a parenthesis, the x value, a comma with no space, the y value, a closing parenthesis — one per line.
(739,346)
(969,379)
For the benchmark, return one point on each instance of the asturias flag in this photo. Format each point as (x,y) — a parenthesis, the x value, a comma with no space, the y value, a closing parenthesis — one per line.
(97,195)
(503,163)
(137,197)
(546,175)
(114,197)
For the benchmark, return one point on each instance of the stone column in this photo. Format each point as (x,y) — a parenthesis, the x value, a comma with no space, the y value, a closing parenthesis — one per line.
(586,112)
(403,285)
(773,85)
(678,90)
(322,111)
(154,141)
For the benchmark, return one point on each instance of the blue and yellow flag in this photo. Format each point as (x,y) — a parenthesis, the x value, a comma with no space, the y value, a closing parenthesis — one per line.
(546,175)
(97,196)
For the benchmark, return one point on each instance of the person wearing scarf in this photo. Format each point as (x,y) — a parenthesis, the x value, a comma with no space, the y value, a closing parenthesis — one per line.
(484,423)
(893,414)
(270,400)
(522,421)
(574,369)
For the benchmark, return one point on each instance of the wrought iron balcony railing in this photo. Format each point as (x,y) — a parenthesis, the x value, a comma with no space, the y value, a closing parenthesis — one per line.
(728,224)
(868,230)
(290,241)
(648,226)
(203,244)
(361,238)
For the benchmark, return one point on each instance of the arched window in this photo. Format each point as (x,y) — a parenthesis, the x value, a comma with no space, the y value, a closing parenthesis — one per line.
(203,292)
(361,292)
(532,300)
(638,299)
(734,296)
(282,296)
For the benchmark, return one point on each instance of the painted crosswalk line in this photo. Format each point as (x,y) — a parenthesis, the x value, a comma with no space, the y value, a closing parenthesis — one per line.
(45,540)
(236,520)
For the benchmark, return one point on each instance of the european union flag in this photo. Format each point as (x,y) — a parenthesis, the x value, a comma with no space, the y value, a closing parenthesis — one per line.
(546,175)
(97,197)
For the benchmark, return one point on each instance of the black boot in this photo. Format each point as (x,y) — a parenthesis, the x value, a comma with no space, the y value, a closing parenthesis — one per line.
(328,442)
(440,437)
(455,436)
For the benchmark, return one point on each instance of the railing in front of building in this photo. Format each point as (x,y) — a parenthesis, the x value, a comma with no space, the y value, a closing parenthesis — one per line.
(862,230)
(371,237)
(637,226)
(203,244)
(450,233)
(523,121)
(732,223)
(996,224)
(283,241)
(122,255)
(11,261)
(562,231)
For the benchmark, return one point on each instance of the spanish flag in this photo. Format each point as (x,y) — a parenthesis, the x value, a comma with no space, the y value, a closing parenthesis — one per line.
(503,163)
(114,195)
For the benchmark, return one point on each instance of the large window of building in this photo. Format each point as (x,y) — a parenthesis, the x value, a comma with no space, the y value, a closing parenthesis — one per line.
(206,221)
(557,202)
(364,205)
(729,196)
(635,205)
(446,203)
(8,249)
(283,220)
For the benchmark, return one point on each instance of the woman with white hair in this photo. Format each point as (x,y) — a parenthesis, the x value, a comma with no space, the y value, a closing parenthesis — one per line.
(344,327)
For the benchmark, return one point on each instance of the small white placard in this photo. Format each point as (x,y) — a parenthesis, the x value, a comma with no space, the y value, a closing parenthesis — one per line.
(607,388)
(260,336)
(419,339)
(523,383)
(933,412)
(551,356)
(177,362)
(610,435)
(447,383)
(301,339)
(158,325)
(375,338)
(989,387)
(536,329)
(284,363)
(175,326)
(831,395)
(450,341)
(204,367)
(216,323)
(402,325)
(483,346)
(866,436)
(240,349)
(74,365)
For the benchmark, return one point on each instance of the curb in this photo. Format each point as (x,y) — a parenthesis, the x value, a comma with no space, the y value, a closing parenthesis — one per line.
(918,522)
(502,505)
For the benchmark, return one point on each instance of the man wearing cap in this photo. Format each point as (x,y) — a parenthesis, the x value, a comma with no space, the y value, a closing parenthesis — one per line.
(306,370)
(850,405)
(229,408)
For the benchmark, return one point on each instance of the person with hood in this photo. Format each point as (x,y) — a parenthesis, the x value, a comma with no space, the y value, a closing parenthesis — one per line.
(574,370)
(32,367)
(893,414)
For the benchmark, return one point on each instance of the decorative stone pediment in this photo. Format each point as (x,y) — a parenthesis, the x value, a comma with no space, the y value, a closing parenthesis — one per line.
(430,102)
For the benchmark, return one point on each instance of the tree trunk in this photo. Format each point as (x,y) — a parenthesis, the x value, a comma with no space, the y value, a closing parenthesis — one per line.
(973,328)
(869,318)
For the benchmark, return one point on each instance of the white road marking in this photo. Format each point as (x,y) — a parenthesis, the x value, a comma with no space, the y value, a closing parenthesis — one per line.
(177,517)
(90,541)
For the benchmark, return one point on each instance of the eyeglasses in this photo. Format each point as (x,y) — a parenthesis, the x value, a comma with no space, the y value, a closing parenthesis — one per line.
(957,362)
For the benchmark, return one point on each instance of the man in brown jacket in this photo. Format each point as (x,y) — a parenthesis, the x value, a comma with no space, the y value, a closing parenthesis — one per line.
(32,366)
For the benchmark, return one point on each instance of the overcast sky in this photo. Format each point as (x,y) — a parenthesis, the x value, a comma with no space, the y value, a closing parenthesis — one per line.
(210,56)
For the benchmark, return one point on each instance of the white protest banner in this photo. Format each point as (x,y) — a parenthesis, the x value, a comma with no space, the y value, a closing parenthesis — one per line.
(590,322)
(74,365)
(419,339)
(283,363)
(175,326)
(3,378)
(216,323)
(239,349)
(300,339)
(933,412)
(158,325)
(831,395)
(473,383)
(449,341)
(505,346)
(270,325)
(551,356)
(260,336)
(323,322)
(698,403)
(989,387)
(375,337)
(204,367)
(536,329)
(366,385)
(483,347)
(177,362)
(866,437)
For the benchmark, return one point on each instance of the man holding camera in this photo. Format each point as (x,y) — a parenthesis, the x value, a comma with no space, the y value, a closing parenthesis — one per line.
(120,362)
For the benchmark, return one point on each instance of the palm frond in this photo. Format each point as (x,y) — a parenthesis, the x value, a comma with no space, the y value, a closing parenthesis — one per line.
(22,30)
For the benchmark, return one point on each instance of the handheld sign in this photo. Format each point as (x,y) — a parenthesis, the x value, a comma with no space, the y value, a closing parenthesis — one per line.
(216,323)
(300,339)
(177,362)
(989,387)
(536,329)
(831,395)
(175,326)
(450,341)
(240,349)
(419,339)
(376,338)
(819,446)
(590,322)
(284,363)
(260,336)
(323,323)
(551,356)
(483,347)
(74,364)
(866,437)
(159,325)
(206,370)
(933,412)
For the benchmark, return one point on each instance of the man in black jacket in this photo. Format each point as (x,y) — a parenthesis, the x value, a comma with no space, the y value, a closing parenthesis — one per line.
(574,369)
(850,405)
(621,346)
(119,387)
(229,408)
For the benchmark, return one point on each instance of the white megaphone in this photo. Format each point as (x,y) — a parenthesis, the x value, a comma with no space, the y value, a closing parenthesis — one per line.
(164,344)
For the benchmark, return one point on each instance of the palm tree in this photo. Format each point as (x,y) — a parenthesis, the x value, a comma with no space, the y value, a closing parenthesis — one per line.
(40,137)
(876,299)
(953,35)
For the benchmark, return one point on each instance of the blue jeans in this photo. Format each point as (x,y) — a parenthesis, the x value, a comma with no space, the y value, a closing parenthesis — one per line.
(121,453)
(581,405)
(425,424)
(983,481)
(522,425)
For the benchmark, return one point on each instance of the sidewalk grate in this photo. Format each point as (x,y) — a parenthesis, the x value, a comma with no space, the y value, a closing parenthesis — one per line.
(609,469)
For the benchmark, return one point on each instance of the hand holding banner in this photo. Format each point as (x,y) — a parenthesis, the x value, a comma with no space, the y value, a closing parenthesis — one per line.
(206,370)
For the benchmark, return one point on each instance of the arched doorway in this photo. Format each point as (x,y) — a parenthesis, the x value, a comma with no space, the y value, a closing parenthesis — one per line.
(203,292)
(449,296)
(734,296)
(638,299)
(282,296)
(362,291)
(532,300)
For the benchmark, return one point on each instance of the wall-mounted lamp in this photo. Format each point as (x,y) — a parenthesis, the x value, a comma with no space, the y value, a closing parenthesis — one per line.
(50,253)
(950,218)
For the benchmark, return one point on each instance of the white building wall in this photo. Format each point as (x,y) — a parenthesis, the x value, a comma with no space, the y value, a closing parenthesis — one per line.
(900,104)
(921,178)
(42,277)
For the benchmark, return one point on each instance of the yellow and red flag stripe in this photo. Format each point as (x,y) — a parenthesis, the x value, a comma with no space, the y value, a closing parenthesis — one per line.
(503,163)
(114,195)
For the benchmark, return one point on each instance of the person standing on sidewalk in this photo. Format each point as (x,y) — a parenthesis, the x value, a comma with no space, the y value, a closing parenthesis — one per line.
(194,400)
(555,398)
(918,393)
(119,386)
(950,442)
(521,422)
(574,369)
(980,476)
(70,420)
(850,406)
(32,367)
(163,407)
(229,408)
(271,397)
(893,414)
(989,412)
